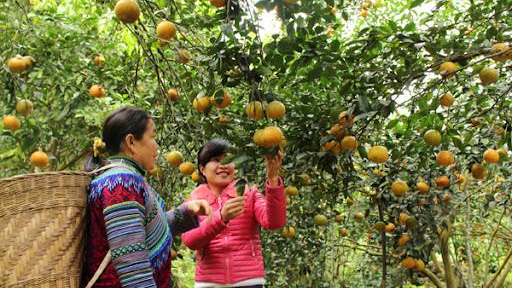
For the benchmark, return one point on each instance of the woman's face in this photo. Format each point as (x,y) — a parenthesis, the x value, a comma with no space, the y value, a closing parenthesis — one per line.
(217,174)
(145,150)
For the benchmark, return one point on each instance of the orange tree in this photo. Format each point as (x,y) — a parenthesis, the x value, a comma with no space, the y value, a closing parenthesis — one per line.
(426,81)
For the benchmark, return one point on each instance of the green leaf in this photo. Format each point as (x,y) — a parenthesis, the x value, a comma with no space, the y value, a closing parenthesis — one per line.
(416,3)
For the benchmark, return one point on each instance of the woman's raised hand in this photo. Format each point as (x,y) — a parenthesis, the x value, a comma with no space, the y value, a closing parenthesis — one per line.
(273,166)
(232,208)
(200,207)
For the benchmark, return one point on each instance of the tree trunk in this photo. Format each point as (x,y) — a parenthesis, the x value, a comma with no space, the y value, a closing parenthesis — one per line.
(445,253)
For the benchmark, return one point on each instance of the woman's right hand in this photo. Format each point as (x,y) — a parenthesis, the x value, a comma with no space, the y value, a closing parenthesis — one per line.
(232,208)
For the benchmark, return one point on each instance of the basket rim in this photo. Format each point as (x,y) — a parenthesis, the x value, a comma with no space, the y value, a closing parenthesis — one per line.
(43,174)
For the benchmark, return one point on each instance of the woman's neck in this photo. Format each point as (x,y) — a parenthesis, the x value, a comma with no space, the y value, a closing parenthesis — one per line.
(216,190)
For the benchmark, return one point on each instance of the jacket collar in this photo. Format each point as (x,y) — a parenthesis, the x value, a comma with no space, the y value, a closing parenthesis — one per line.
(129,162)
(204,192)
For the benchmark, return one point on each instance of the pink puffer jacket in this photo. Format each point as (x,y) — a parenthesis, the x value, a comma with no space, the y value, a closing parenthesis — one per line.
(229,253)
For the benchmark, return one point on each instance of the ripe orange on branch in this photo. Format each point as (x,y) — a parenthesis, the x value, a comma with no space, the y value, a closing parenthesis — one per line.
(166,30)
(127,11)
(254,110)
(491,156)
(39,159)
(97,91)
(11,122)
(275,110)
(445,158)
(447,69)
(268,137)
(378,154)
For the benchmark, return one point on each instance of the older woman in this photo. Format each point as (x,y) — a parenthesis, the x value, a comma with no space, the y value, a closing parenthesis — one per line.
(126,215)
(229,247)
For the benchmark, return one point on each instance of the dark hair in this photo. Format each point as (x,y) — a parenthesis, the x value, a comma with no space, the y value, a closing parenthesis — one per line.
(211,149)
(123,121)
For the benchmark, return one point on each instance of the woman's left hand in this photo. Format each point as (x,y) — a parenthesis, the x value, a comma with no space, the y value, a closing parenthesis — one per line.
(200,207)
(273,166)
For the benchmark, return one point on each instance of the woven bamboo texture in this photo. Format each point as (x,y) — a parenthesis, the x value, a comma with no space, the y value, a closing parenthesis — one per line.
(42,226)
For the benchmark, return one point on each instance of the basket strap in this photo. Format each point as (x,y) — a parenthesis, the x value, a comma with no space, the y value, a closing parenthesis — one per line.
(100,270)
(103,168)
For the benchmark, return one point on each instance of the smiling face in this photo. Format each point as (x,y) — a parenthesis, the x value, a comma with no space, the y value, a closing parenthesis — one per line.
(217,174)
(145,150)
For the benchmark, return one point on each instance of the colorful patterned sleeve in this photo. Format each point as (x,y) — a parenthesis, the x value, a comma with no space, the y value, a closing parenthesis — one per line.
(181,220)
(124,214)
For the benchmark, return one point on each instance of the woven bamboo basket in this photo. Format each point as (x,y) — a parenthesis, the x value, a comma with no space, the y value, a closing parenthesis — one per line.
(42,226)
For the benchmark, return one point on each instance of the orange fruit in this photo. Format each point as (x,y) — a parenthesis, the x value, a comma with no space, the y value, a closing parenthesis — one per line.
(364,13)
(97,91)
(226,100)
(17,64)
(365,5)
(348,143)
(335,130)
(409,263)
(432,137)
(320,220)
(218,3)
(98,60)
(268,137)
(291,191)
(183,56)
(288,232)
(380,226)
(378,154)
(359,216)
(447,69)
(11,122)
(196,177)
(422,187)
(174,158)
(445,158)
(127,11)
(460,178)
(186,168)
(390,227)
(447,99)
(343,232)
(447,197)
(491,156)
(24,107)
(275,110)
(339,218)
(404,239)
(498,48)
(201,104)
(223,119)
(477,170)
(399,188)
(254,110)
(488,75)
(173,94)
(442,182)
(288,200)
(420,265)
(166,30)
(403,217)
(39,159)
(343,118)
(330,31)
